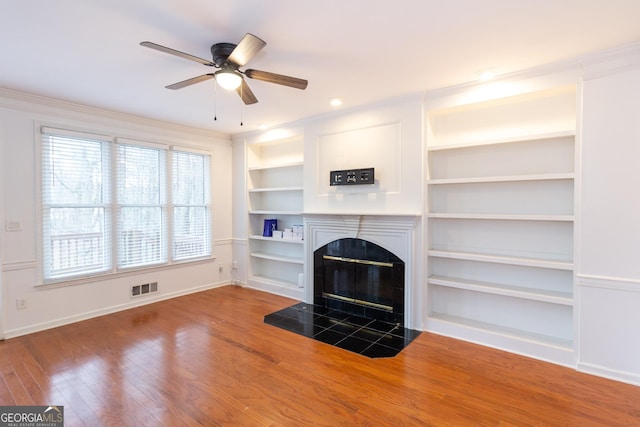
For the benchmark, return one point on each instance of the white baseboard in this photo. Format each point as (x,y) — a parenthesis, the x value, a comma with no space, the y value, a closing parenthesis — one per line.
(601,371)
(137,302)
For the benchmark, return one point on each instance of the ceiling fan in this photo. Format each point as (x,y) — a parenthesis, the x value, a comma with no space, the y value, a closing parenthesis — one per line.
(229,57)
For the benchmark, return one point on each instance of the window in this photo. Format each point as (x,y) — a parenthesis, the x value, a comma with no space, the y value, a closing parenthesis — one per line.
(76,211)
(190,193)
(111,206)
(141,206)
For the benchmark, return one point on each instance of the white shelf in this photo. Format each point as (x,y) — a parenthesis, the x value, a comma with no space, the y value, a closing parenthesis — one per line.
(504,331)
(506,290)
(499,259)
(272,282)
(275,176)
(510,178)
(501,222)
(506,140)
(271,239)
(276,166)
(387,214)
(274,212)
(274,189)
(263,255)
(275,286)
(505,217)
(281,140)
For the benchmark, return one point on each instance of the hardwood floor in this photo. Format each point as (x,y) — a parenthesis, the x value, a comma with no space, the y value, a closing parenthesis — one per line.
(208,359)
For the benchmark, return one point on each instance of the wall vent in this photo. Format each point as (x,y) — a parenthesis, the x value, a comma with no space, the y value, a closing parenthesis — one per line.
(145,288)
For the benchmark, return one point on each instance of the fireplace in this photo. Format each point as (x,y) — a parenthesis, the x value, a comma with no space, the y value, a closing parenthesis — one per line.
(391,234)
(359,277)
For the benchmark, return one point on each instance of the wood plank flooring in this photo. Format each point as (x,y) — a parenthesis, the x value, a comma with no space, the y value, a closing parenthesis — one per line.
(208,359)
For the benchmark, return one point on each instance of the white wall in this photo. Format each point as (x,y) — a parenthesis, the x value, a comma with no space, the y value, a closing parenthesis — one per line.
(386,137)
(609,268)
(240,222)
(48,306)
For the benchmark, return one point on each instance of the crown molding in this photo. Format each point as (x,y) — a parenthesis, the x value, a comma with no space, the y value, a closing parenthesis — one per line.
(24,101)
(611,61)
(572,70)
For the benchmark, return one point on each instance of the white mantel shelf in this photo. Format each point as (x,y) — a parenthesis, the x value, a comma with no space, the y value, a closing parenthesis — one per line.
(363,214)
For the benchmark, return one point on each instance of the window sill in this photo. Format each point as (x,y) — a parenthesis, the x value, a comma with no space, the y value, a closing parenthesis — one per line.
(122,273)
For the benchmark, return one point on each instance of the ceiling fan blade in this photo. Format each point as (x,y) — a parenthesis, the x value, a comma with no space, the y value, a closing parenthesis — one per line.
(246,94)
(190,81)
(277,78)
(246,49)
(177,53)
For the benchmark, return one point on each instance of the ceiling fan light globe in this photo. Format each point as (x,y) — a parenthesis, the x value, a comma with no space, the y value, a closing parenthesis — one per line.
(228,79)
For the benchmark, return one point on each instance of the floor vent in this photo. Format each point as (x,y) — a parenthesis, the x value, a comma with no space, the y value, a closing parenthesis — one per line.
(145,288)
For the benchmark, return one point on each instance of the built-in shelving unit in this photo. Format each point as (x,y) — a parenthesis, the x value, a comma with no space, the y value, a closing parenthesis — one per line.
(500,191)
(275,191)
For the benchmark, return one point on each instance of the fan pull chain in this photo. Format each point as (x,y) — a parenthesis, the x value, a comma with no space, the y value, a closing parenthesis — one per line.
(215,101)
(241,105)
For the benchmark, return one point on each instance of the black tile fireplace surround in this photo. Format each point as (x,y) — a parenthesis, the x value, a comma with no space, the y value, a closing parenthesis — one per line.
(361,278)
(364,336)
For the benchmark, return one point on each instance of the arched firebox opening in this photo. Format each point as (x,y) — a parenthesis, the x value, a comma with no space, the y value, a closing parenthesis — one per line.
(361,278)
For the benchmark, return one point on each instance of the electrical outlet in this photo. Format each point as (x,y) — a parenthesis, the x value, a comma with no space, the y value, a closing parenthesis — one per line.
(220,269)
(21,304)
(234,265)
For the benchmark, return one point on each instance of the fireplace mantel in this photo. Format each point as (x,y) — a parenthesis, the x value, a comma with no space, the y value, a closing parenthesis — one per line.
(395,232)
(374,214)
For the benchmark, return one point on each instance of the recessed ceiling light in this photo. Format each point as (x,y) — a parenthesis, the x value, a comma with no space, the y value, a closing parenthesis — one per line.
(263,127)
(336,102)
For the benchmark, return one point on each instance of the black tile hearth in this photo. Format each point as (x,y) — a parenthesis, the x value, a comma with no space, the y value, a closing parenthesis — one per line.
(368,337)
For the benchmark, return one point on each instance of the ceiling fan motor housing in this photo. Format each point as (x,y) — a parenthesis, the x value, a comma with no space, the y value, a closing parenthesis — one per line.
(220,53)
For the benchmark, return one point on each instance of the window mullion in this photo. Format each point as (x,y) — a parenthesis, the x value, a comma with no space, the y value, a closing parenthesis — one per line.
(115,210)
(169,207)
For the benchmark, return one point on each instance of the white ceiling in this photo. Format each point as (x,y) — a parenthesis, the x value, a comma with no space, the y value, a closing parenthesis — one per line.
(87,51)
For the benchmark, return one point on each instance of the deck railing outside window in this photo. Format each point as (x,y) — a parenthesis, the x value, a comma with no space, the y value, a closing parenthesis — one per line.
(76,252)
